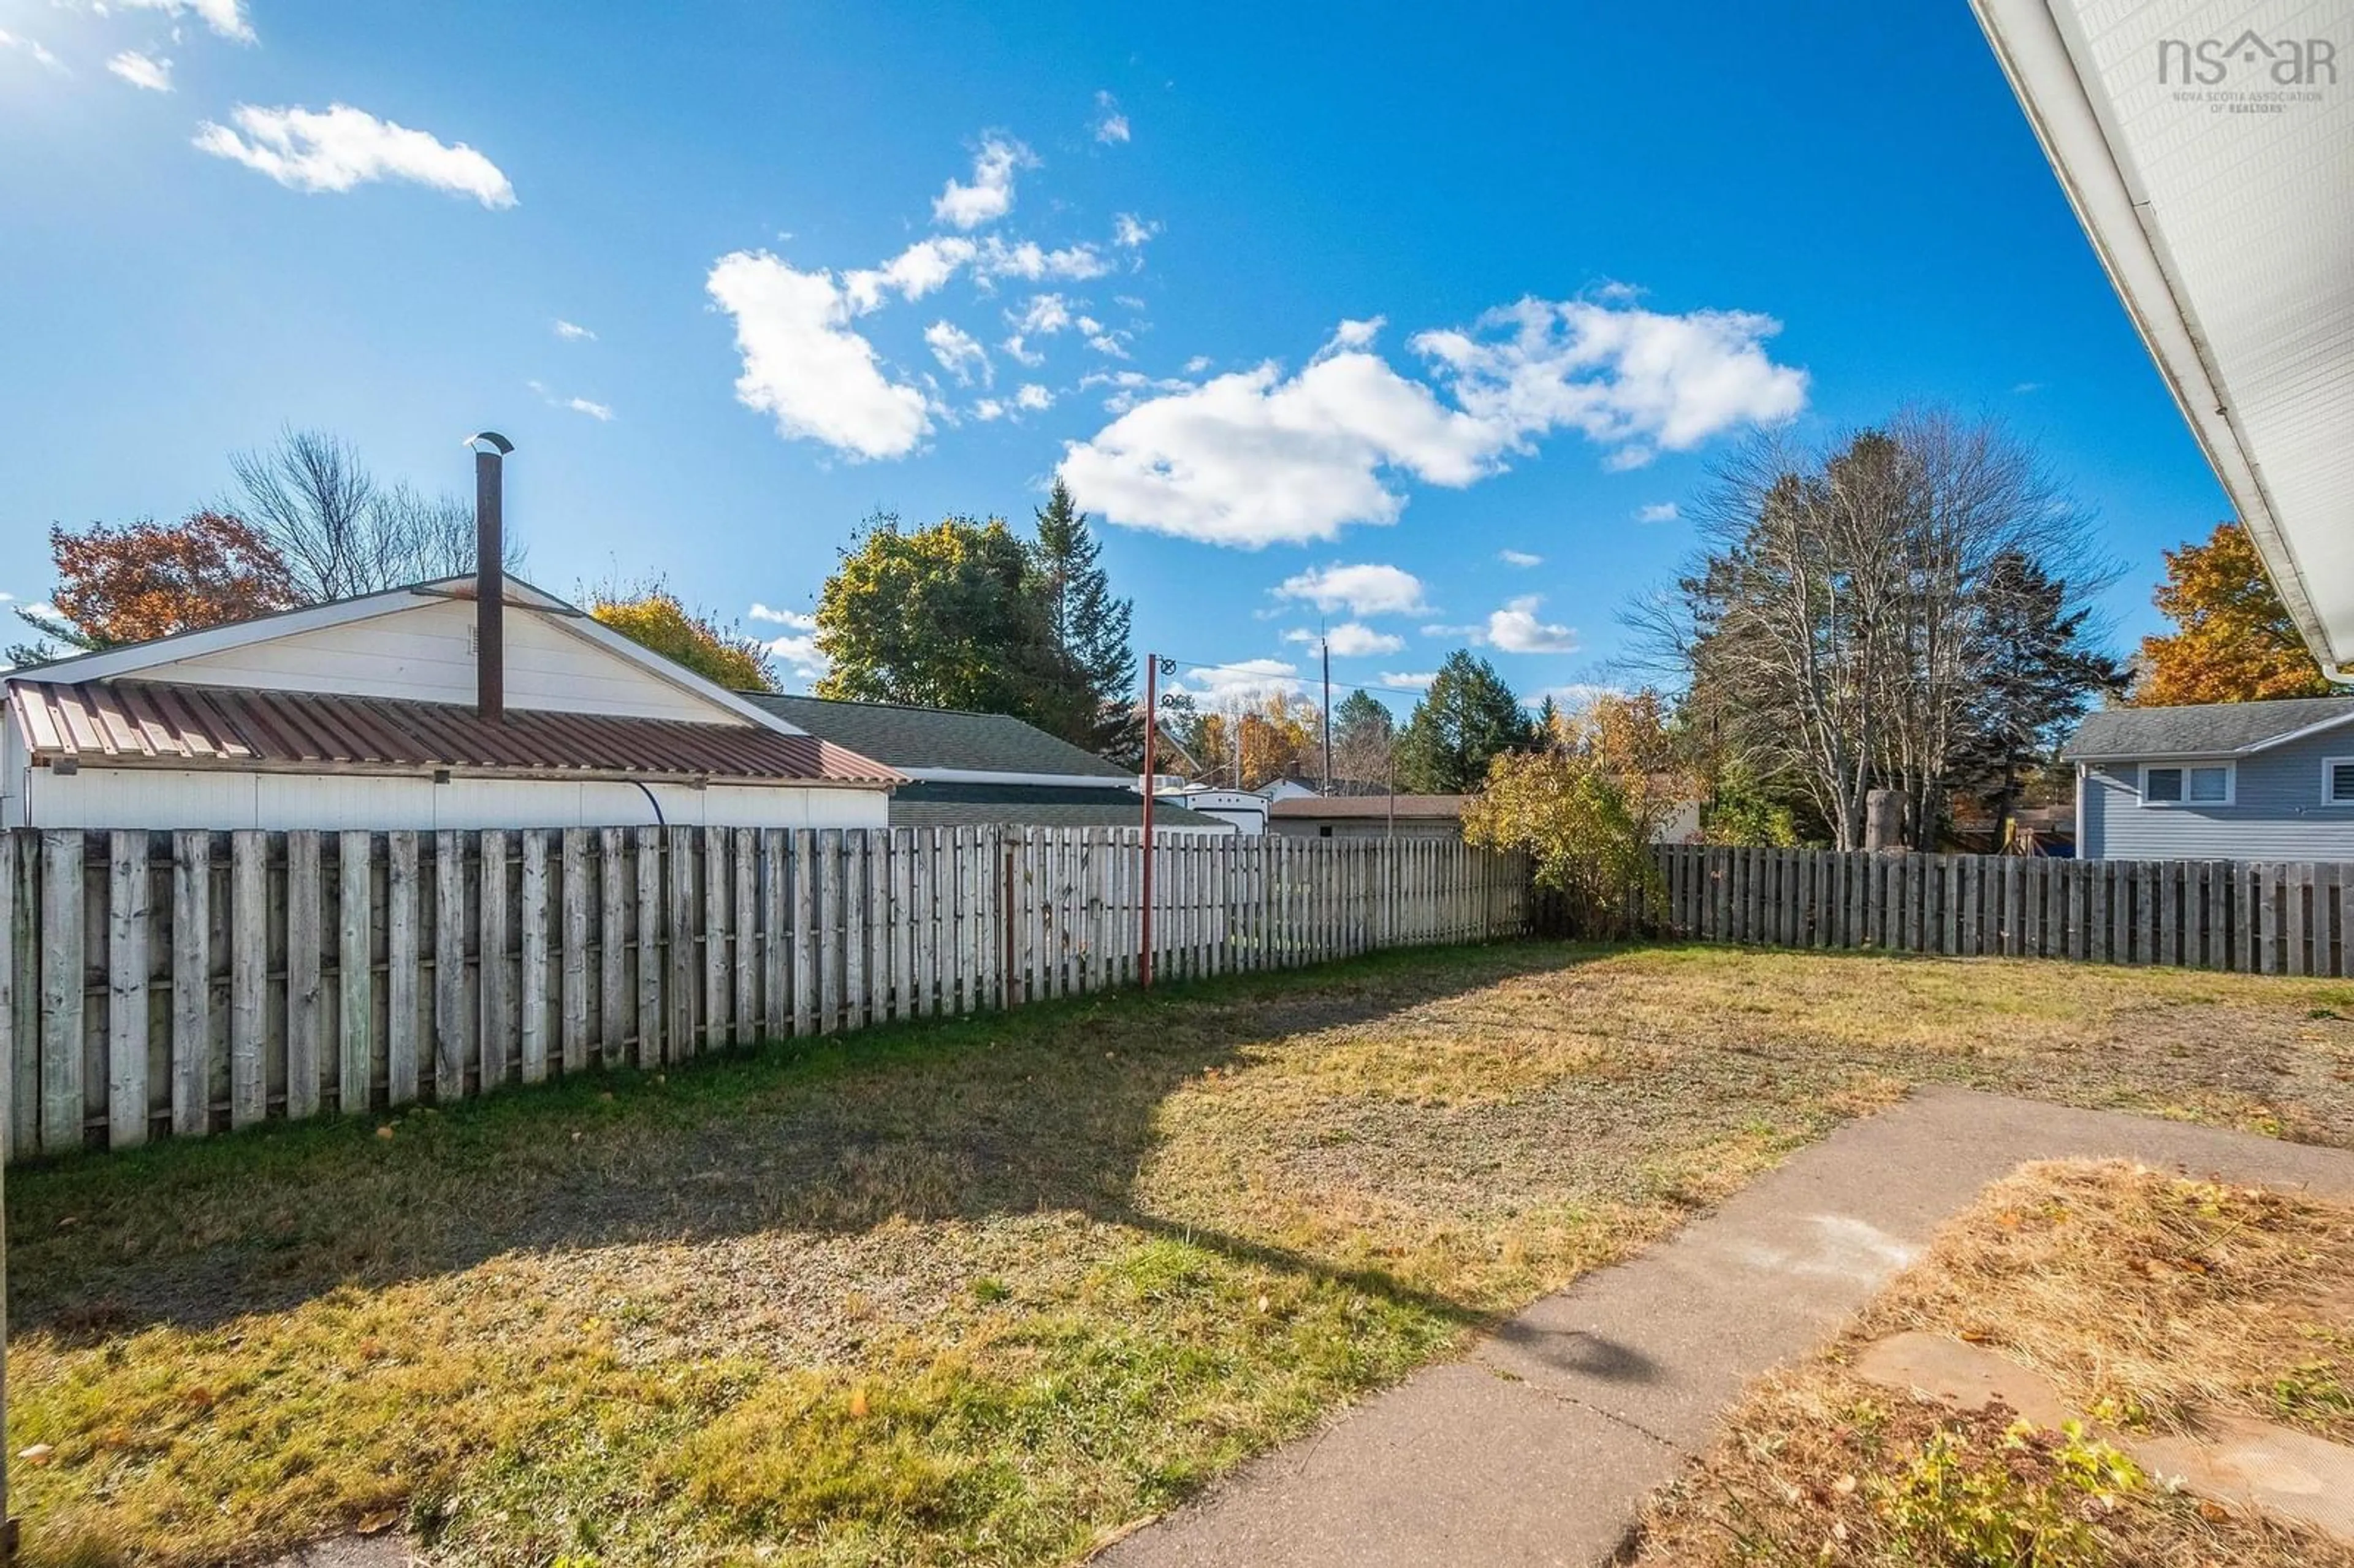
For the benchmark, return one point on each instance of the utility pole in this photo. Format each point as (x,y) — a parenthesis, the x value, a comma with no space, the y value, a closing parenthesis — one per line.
(1324,645)
(1154,668)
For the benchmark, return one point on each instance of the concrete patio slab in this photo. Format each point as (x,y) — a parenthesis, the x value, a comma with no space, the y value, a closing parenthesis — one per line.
(1539,1446)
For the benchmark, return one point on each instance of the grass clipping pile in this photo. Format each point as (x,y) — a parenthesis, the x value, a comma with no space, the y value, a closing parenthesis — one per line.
(2143,1299)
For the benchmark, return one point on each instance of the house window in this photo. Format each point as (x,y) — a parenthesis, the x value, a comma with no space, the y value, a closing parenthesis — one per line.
(2338,781)
(2190,784)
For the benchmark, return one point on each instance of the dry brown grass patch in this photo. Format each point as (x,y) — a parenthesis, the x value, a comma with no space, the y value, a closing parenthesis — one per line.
(2139,1296)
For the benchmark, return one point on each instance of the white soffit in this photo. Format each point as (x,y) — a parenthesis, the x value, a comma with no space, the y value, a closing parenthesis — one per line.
(2208,147)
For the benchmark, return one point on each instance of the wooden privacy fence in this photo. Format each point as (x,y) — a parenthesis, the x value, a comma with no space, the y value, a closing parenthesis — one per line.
(2256,917)
(189,982)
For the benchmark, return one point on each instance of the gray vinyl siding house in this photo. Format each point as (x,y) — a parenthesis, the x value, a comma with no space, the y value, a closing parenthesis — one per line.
(2220,782)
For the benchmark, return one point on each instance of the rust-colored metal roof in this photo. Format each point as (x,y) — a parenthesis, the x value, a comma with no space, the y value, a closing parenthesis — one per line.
(1355,806)
(143,722)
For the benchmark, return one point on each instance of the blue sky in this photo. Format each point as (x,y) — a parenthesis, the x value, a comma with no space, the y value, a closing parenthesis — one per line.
(1469,297)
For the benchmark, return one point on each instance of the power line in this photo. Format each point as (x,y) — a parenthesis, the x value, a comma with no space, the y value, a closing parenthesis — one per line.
(1415,692)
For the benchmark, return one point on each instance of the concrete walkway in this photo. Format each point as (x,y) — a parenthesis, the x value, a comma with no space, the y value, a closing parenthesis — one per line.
(1539,1446)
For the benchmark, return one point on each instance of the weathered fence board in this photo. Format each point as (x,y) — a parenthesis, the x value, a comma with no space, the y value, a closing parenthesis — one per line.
(2266,917)
(180,983)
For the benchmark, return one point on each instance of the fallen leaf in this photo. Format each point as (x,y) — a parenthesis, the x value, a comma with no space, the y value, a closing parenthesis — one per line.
(1844,1485)
(2212,1511)
(375,1523)
(384,1131)
(858,1404)
(38,1454)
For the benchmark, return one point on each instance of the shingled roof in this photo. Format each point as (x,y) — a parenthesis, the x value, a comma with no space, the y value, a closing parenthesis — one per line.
(2204,729)
(928,804)
(943,738)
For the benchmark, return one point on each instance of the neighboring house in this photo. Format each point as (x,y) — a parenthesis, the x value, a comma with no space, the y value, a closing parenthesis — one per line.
(2219,781)
(378,712)
(1286,789)
(1245,810)
(966,768)
(1367,816)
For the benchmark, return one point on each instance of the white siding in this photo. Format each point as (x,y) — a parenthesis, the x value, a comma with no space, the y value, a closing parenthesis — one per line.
(424,652)
(164,798)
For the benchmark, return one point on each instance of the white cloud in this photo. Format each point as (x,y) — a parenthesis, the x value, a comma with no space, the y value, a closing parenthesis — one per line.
(1519,558)
(1515,629)
(1018,350)
(33,48)
(1254,458)
(1630,379)
(1363,589)
(1250,458)
(1350,640)
(1132,385)
(1112,345)
(1658,511)
(804,365)
(304,150)
(1111,125)
(991,194)
(1046,314)
(142,70)
(1029,259)
(225,17)
(1577,695)
(988,408)
(797,652)
(1198,364)
(792,618)
(1412,680)
(1247,683)
(600,412)
(1033,398)
(958,351)
(573,331)
(925,266)
(1129,232)
(1352,334)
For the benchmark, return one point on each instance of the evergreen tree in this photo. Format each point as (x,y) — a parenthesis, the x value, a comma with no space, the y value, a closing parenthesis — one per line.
(1090,629)
(2040,678)
(1466,718)
(1551,731)
(1363,735)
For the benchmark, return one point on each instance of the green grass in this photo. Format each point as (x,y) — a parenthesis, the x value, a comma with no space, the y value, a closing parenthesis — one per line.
(988,1289)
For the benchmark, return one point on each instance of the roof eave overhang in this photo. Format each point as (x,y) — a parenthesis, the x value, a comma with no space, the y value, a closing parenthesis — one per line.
(82,761)
(2071,121)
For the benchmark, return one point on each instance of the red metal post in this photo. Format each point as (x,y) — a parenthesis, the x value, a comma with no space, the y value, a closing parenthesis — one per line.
(1151,761)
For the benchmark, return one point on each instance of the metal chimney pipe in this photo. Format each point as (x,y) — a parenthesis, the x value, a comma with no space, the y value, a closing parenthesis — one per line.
(490,575)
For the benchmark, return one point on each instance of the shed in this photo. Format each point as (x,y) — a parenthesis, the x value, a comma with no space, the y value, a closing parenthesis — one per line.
(967,770)
(1367,816)
(372,713)
(2217,782)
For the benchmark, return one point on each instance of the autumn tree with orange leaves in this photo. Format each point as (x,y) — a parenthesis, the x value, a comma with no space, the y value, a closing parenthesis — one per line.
(147,579)
(2233,641)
